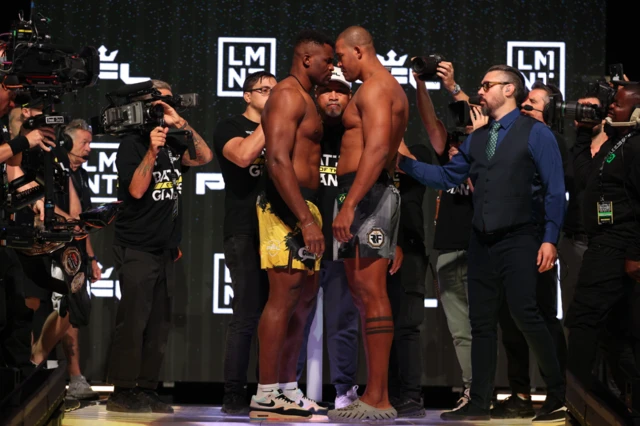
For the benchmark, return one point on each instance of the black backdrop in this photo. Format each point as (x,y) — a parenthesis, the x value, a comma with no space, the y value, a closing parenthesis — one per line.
(206,46)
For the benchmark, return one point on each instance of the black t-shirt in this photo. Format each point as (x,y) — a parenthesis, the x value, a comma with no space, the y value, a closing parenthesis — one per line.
(453,228)
(152,222)
(411,232)
(242,184)
(328,191)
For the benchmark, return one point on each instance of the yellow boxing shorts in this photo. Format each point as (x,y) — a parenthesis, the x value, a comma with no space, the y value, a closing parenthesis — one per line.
(280,245)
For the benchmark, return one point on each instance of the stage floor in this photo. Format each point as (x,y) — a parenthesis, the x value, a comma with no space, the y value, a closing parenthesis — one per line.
(203,415)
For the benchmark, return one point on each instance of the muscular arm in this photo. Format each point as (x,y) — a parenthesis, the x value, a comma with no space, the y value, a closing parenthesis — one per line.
(376,113)
(142,176)
(203,152)
(281,117)
(243,151)
(435,128)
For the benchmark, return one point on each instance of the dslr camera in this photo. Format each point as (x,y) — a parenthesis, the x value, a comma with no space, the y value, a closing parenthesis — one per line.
(426,66)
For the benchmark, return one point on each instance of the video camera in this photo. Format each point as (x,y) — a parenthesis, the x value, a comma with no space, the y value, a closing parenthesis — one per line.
(128,113)
(426,66)
(32,64)
(585,113)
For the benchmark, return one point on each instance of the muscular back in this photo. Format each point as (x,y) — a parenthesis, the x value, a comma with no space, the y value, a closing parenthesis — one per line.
(292,125)
(379,108)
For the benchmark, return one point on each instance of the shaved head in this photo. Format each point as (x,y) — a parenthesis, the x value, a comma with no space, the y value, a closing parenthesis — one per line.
(633,90)
(356,36)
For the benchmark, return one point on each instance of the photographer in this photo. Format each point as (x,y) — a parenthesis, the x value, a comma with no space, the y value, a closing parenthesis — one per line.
(148,230)
(610,210)
(453,227)
(15,317)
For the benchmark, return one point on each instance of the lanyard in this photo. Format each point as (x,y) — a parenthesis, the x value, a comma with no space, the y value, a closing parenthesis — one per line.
(613,150)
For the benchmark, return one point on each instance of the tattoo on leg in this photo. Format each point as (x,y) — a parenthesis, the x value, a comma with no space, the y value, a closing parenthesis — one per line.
(379,319)
(379,330)
(68,346)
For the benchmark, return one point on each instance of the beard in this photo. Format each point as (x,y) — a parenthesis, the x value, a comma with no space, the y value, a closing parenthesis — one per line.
(333,111)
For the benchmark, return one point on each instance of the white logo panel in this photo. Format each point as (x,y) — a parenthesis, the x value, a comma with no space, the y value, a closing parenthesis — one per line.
(102,171)
(539,60)
(241,56)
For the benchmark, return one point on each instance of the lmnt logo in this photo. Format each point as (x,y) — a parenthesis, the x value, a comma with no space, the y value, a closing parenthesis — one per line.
(241,56)
(539,60)
(110,70)
(102,171)
(212,181)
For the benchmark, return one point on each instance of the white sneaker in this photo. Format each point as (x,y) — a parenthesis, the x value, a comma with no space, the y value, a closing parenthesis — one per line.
(464,399)
(80,389)
(347,399)
(276,406)
(309,404)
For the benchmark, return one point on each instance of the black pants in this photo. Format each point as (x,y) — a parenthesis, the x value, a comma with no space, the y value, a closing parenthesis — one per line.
(143,319)
(505,266)
(514,342)
(604,293)
(407,306)
(250,292)
(341,319)
(15,317)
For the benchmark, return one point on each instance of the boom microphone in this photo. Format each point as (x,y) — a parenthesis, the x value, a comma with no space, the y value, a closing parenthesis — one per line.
(132,89)
(530,108)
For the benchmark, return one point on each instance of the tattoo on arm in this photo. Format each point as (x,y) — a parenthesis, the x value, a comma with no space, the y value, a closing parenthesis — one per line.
(379,319)
(200,147)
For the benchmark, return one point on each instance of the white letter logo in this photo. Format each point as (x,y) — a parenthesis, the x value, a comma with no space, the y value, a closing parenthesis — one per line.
(241,56)
(538,60)
(213,181)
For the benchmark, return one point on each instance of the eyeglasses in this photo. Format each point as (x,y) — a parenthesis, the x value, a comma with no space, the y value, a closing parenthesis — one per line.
(487,85)
(262,90)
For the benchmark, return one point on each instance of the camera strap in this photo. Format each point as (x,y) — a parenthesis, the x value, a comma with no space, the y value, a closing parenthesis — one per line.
(609,158)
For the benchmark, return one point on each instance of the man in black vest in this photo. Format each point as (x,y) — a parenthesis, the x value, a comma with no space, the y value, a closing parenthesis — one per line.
(505,249)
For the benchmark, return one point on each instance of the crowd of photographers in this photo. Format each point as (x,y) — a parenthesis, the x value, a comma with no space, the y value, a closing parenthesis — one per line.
(598,247)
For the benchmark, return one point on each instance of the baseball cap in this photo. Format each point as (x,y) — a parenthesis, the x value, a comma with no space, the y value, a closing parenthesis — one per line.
(336,75)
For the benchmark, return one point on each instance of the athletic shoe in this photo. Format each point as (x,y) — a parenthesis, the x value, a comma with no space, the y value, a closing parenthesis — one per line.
(309,404)
(553,410)
(407,407)
(127,402)
(360,411)
(464,399)
(276,406)
(81,390)
(513,407)
(468,412)
(348,398)
(235,403)
(151,397)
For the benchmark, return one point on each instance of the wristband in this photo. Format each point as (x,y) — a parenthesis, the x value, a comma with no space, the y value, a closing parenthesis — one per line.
(307,225)
(92,258)
(184,126)
(19,144)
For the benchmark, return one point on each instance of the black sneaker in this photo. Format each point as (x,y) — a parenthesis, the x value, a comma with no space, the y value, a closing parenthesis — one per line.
(127,402)
(553,410)
(153,400)
(513,407)
(407,407)
(235,403)
(469,412)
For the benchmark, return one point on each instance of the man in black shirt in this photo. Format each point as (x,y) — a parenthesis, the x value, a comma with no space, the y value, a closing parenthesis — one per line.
(148,230)
(573,244)
(340,313)
(610,212)
(239,145)
(406,290)
(454,213)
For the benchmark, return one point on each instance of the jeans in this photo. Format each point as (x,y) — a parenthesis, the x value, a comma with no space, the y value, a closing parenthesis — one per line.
(341,327)
(250,292)
(452,280)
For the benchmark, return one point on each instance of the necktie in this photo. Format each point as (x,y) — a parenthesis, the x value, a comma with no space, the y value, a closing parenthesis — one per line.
(493,139)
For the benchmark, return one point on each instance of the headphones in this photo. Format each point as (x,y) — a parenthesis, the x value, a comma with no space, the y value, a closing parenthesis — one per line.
(67,142)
